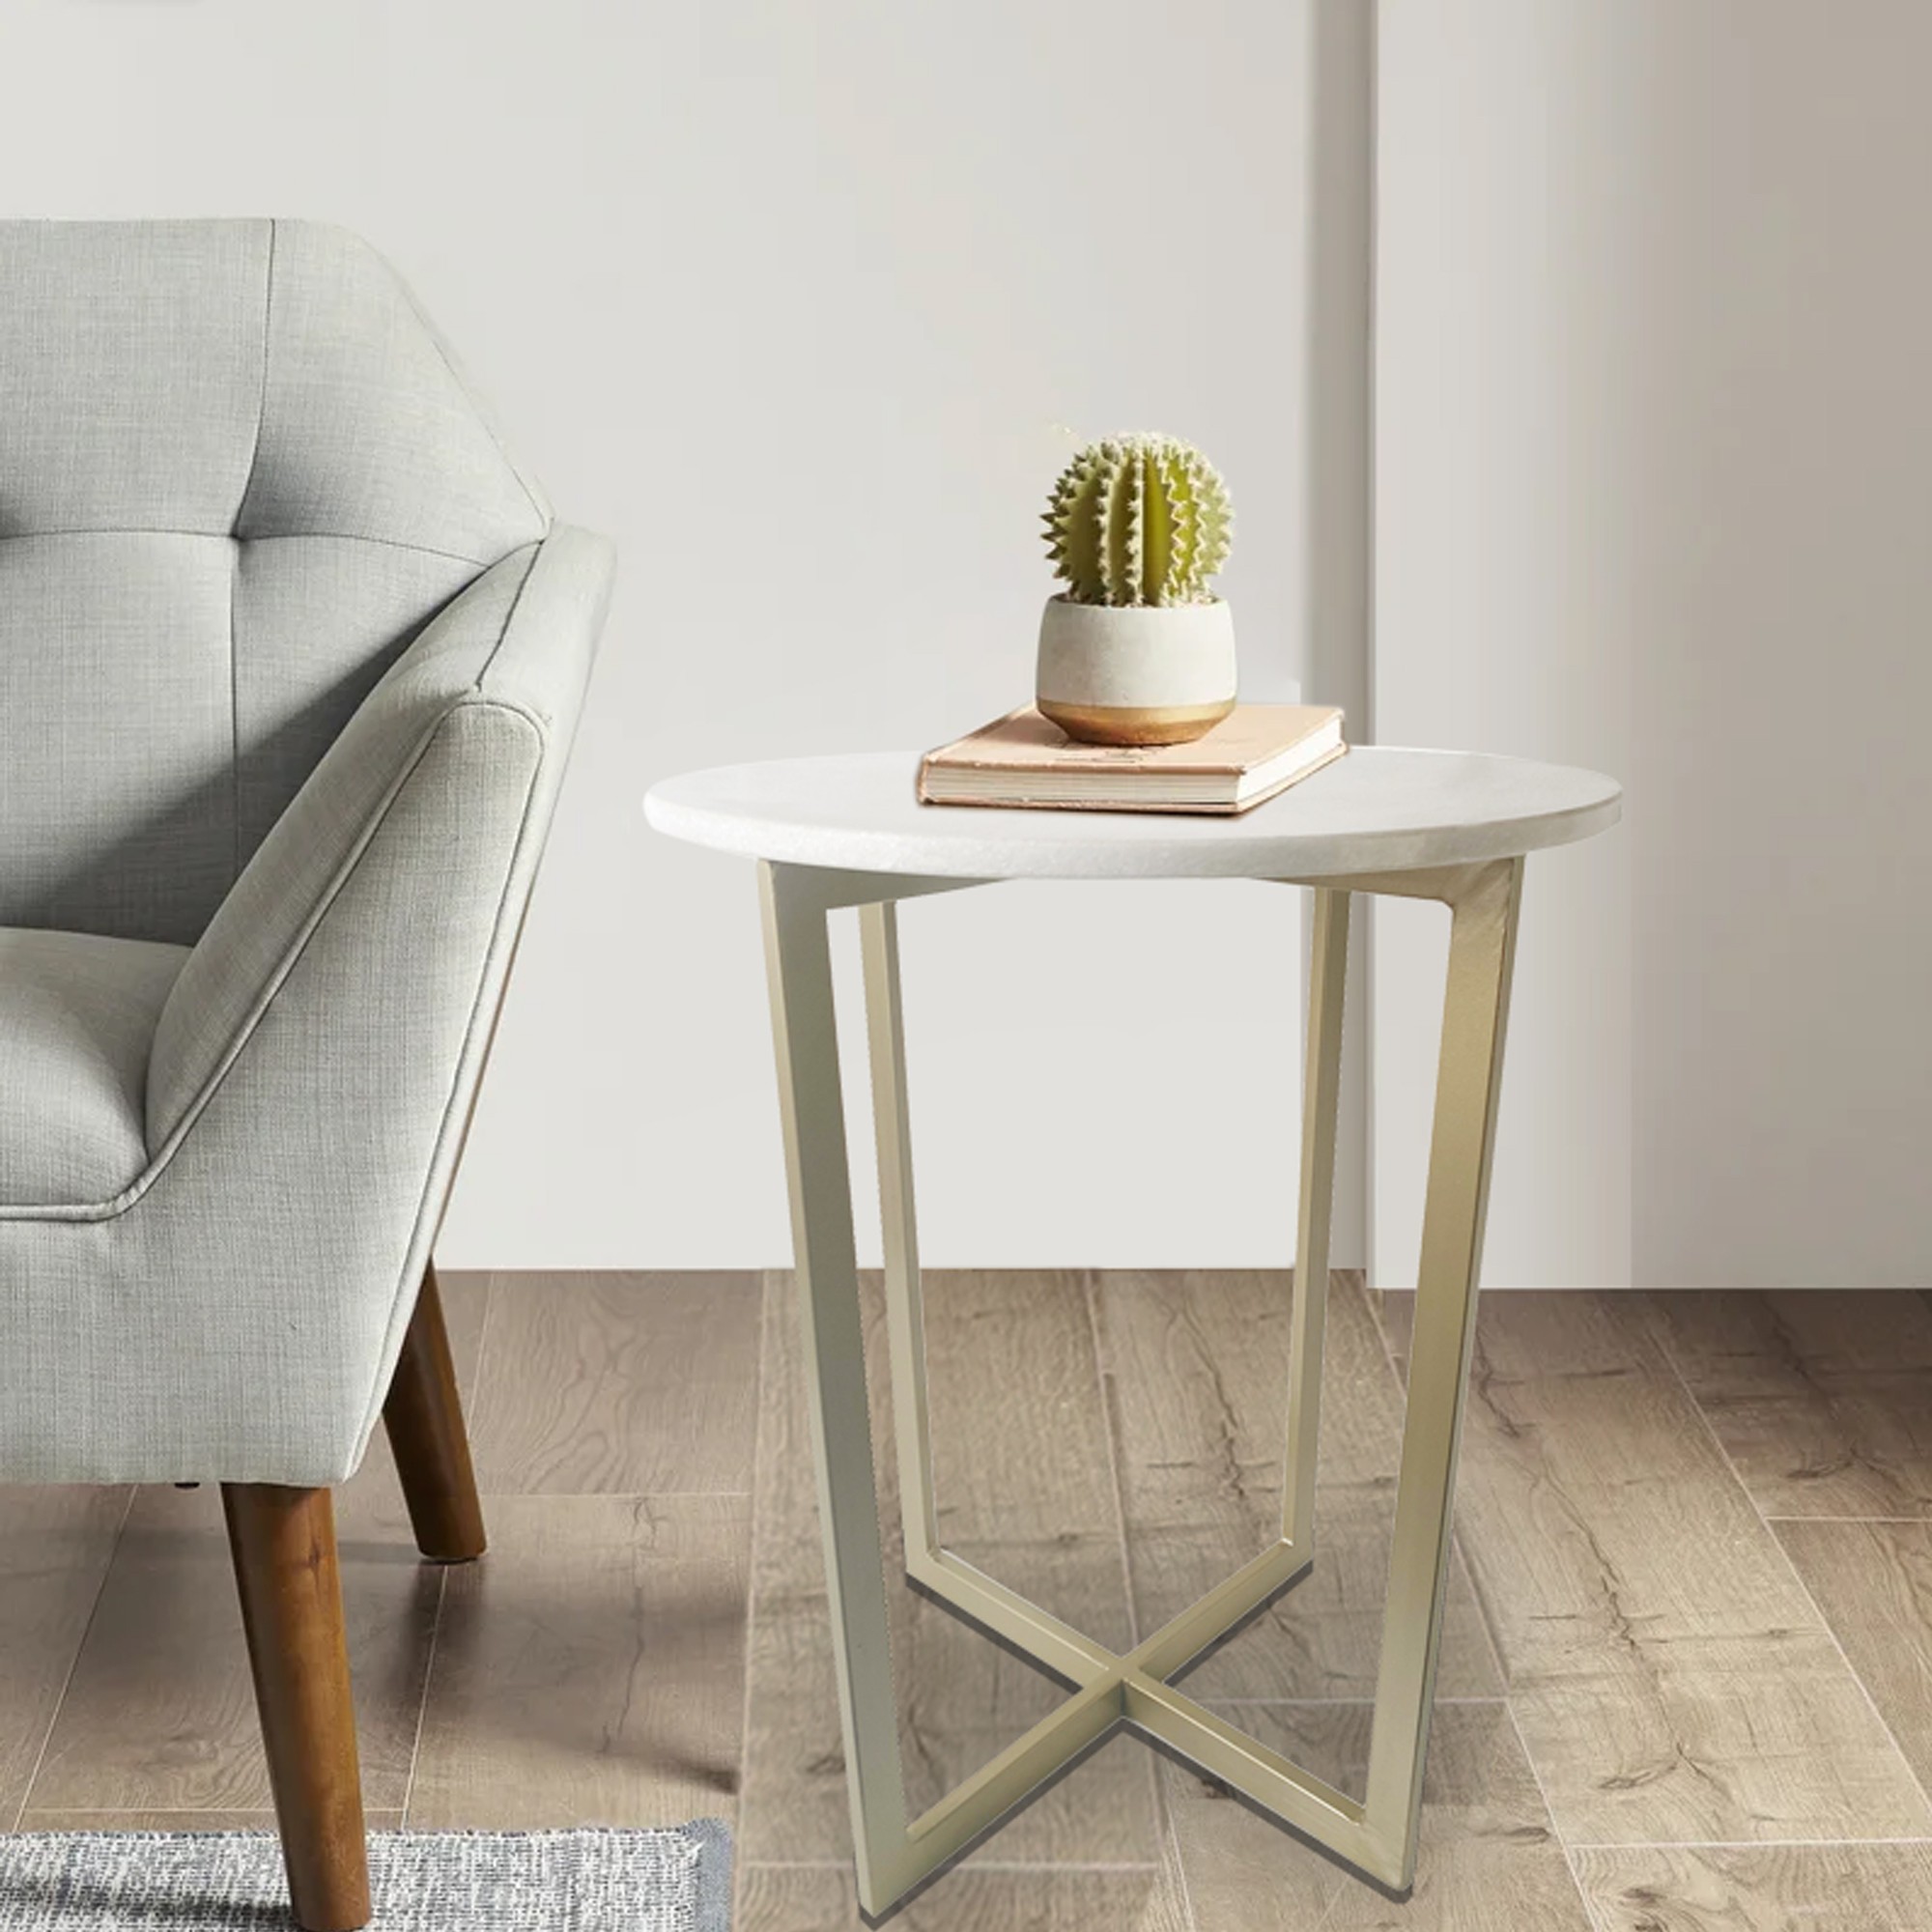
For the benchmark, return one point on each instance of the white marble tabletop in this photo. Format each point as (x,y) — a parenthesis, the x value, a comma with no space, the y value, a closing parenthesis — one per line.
(1378,809)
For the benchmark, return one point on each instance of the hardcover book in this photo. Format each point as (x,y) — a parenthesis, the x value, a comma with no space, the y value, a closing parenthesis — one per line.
(1024,759)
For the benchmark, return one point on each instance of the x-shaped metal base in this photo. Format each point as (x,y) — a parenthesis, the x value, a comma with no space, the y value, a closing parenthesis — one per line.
(1378,1833)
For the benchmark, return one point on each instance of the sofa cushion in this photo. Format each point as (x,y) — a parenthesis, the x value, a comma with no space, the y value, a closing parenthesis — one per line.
(239,473)
(77,1018)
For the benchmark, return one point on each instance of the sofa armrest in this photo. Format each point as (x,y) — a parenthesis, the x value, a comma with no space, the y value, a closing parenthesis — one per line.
(473,722)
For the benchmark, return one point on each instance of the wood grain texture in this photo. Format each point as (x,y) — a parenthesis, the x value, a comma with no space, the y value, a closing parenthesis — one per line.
(159,1716)
(820,1899)
(617,1384)
(591,1670)
(1760,1888)
(55,1548)
(1489,1861)
(1676,1677)
(466,1312)
(1873,1583)
(429,1439)
(283,1542)
(1026,1491)
(1672,1681)
(1823,1400)
(1394,1311)
(1197,1372)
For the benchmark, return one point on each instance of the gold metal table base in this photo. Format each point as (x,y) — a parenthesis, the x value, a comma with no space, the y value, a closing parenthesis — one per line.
(1378,1832)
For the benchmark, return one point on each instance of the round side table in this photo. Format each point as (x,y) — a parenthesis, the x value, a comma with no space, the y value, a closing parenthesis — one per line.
(836,832)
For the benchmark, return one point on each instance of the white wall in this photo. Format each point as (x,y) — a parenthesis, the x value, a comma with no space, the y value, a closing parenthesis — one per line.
(1653,406)
(790,298)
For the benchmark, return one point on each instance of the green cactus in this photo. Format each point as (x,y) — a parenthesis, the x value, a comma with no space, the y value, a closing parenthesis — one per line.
(1139,519)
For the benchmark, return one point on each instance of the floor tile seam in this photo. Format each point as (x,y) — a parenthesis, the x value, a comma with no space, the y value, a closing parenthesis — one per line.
(40,1763)
(1919,1785)
(751,1582)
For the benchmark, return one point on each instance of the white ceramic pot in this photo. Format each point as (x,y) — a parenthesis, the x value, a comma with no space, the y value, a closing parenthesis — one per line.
(1136,675)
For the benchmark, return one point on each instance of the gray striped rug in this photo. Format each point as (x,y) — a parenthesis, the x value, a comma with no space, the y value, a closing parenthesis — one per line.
(673,1880)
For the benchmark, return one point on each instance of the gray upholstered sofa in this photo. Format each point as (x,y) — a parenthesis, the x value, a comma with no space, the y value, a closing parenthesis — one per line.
(290,654)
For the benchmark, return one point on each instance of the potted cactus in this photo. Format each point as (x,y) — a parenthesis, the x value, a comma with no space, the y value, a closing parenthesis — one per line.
(1137,650)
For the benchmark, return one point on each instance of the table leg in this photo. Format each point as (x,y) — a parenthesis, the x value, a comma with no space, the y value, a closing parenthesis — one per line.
(893,1850)
(799,962)
(1328,975)
(905,1301)
(1378,1833)
(1482,951)
(1051,1643)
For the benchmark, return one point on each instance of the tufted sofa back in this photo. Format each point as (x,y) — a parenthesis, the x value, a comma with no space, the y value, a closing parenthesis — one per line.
(238,471)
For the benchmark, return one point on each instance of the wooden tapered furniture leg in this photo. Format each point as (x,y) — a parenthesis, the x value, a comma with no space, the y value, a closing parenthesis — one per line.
(424,1418)
(283,1542)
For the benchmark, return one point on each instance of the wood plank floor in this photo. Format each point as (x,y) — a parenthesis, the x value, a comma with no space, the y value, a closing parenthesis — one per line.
(1687,1682)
